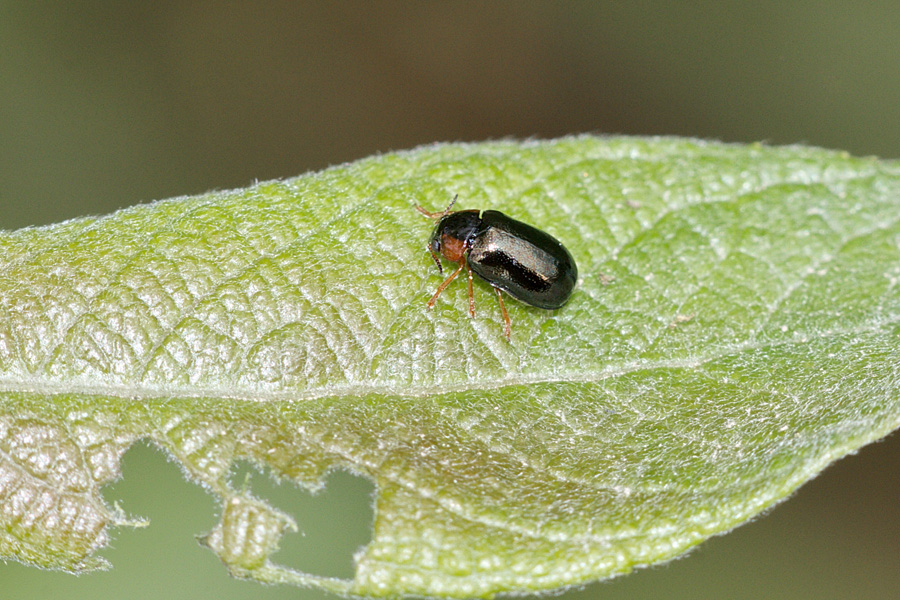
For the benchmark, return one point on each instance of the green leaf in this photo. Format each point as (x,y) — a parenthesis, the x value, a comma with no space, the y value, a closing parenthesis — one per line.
(734,330)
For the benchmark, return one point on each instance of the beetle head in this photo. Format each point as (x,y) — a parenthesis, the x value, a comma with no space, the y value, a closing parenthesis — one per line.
(453,233)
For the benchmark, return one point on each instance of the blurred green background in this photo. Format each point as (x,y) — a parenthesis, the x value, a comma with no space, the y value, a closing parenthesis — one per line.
(105,104)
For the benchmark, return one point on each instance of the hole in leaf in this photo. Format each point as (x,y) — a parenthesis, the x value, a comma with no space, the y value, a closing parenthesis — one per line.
(332,523)
(162,560)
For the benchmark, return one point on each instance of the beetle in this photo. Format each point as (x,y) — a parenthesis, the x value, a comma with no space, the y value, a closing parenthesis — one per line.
(528,264)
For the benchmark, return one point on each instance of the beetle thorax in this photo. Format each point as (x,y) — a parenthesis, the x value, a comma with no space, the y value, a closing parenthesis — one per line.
(453,248)
(454,234)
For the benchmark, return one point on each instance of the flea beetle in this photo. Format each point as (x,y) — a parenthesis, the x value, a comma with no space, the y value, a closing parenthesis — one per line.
(526,263)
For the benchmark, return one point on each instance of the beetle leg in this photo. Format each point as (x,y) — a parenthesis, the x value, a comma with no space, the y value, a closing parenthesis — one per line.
(507,329)
(444,285)
(471,292)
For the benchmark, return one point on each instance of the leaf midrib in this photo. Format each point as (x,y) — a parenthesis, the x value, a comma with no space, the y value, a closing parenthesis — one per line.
(144,393)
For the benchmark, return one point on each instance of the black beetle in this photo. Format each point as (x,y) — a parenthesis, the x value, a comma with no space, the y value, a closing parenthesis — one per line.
(526,263)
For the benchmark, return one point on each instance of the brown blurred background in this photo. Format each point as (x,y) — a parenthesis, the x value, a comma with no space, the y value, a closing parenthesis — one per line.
(104,105)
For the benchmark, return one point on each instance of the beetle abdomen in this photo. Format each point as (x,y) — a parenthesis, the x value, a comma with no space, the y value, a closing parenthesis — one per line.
(528,264)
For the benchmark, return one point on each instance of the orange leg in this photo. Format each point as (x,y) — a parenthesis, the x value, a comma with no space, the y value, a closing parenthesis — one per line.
(471,293)
(447,282)
(507,329)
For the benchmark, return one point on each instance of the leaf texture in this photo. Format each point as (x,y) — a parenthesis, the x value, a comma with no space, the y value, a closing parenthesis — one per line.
(734,330)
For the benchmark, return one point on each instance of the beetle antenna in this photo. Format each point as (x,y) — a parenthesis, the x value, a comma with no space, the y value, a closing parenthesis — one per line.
(437,215)
(452,202)
(437,260)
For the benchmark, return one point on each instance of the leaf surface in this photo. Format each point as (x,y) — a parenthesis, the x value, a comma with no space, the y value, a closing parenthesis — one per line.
(734,330)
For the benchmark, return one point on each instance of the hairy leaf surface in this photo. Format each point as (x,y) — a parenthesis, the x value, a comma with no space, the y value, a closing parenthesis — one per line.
(734,330)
